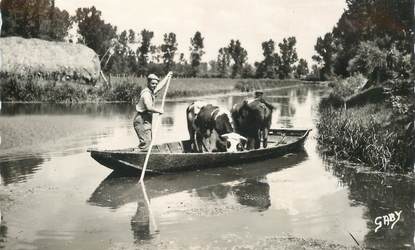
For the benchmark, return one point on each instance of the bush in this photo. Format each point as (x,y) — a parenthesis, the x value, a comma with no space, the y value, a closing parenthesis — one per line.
(341,90)
(364,135)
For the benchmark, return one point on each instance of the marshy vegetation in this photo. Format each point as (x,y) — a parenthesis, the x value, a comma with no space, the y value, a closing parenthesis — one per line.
(122,89)
(380,135)
(369,116)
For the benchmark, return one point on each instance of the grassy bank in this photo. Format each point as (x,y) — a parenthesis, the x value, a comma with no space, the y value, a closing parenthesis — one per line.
(376,135)
(122,89)
(34,89)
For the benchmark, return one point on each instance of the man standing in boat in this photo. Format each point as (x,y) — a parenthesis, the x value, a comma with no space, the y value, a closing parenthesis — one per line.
(145,109)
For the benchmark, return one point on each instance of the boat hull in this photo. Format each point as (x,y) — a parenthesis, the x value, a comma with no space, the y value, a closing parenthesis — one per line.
(167,160)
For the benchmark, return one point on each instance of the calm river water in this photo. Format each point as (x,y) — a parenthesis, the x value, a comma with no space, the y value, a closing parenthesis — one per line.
(53,195)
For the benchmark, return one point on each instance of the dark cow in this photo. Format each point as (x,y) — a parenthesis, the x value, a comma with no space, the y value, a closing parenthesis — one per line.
(205,121)
(252,118)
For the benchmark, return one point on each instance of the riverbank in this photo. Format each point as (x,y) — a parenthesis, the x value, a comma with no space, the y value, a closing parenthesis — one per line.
(276,243)
(126,89)
(377,135)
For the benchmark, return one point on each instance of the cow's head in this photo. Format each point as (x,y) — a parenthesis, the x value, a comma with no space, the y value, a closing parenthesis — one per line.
(234,142)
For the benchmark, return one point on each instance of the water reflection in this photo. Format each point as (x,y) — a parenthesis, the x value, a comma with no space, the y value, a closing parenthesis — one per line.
(382,195)
(140,223)
(117,190)
(3,232)
(18,170)
(250,192)
(245,184)
(253,193)
(101,109)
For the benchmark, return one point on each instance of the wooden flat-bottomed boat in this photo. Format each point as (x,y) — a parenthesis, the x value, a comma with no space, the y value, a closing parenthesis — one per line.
(177,156)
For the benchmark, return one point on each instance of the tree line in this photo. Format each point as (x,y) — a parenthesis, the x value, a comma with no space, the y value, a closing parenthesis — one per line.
(133,53)
(372,37)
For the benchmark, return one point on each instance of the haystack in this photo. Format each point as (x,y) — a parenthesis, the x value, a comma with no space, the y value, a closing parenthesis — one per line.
(57,60)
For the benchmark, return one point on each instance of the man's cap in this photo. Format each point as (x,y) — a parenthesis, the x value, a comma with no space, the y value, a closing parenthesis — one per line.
(152,77)
(258,92)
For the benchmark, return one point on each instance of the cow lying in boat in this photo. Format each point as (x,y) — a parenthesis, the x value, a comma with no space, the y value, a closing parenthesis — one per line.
(252,119)
(209,123)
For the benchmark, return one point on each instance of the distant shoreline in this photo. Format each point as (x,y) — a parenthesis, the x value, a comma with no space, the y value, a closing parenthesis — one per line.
(127,91)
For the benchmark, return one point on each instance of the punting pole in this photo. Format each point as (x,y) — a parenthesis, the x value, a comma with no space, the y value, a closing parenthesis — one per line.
(150,212)
(143,171)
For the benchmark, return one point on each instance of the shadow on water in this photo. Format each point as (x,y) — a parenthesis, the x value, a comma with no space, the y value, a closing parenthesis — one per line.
(140,222)
(382,195)
(18,170)
(246,183)
(250,192)
(3,232)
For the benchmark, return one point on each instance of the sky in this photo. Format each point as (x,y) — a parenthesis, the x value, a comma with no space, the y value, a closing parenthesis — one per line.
(219,21)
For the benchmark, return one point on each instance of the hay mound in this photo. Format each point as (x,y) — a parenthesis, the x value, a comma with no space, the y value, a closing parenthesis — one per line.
(51,60)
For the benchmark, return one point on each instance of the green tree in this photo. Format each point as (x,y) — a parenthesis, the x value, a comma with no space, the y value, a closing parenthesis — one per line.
(239,56)
(95,33)
(169,49)
(223,62)
(196,52)
(288,55)
(34,19)
(144,50)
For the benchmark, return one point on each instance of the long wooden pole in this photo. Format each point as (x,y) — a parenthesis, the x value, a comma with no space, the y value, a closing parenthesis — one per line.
(150,212)
(143,171)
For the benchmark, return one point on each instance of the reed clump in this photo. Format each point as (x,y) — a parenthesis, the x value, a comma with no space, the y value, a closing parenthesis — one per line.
(380,135)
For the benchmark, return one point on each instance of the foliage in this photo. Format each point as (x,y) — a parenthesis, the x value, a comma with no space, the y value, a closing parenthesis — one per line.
(196,52)
(267,68)
(34,89)
(143,51)
(95,33)
(369,60)
(388,23)
(183,68)
(341,90)
(302,69)
(326,49)
(363,135)
(239,56)
(278,65)
(223,62)
(288,55)
(123,91)
(248,71)
(34,19)
(169,49)
(250,85)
